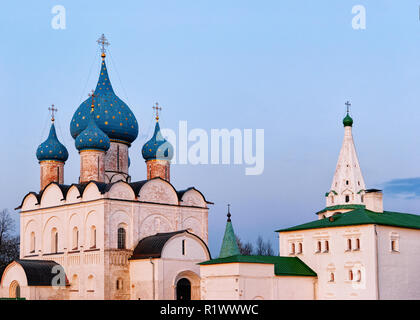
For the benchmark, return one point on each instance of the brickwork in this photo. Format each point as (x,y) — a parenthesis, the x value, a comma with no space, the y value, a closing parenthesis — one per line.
(51,171)
(158,168)
(92,165)
(116,162)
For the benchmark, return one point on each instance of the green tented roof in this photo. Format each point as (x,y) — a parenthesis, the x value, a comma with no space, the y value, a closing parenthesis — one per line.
(283,266)
(343,206)
(362,216)
(229,244)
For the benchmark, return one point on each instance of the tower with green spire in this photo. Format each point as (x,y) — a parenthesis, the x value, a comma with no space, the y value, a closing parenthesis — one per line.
(229,245)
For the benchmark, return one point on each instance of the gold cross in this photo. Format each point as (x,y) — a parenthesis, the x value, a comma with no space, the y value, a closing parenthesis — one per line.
(157,109)
(103,42)
(52,109)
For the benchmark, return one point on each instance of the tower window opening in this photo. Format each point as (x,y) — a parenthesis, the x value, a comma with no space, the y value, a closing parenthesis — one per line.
(350,275)
(347,198)
(327,246)
(347,182)
(183,247)
(121,238)
(348,244)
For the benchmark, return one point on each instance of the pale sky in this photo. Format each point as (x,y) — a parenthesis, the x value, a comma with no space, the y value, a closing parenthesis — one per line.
(283,66)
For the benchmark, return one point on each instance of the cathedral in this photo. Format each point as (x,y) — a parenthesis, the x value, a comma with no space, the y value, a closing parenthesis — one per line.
(106,237)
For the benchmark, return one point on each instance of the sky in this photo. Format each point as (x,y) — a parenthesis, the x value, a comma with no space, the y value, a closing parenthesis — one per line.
(283,66)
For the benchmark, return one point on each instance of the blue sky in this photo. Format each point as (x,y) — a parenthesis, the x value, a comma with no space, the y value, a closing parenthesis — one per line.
(283,66)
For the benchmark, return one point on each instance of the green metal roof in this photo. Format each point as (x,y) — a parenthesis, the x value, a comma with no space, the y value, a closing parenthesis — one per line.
(342,206)
(283,266)
(229,244)
(362,216)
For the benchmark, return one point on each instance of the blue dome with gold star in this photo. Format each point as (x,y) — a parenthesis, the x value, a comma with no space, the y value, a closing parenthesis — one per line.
(92,138)
(111,114)
(52,149)
(157,147)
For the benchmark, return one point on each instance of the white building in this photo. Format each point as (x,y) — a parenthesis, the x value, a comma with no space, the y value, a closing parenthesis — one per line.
(107,237)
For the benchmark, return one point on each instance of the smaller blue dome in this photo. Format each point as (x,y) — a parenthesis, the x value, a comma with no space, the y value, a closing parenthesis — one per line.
(157,147)
(92,138)
(52,149)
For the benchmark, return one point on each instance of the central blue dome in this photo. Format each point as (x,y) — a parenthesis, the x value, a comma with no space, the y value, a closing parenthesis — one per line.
(111,114)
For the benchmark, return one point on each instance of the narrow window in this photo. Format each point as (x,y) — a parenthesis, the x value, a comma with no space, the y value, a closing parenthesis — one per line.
(350,275)
(98,168)
(54,240)
(32,248)
(118,158)
(121,238)
(293,249)
(327,246)
(362,198)
(332,277)
(318,248)
(300,246)
(93,237)
(347,182)
(75,238)
(357,244)
(393,245)
(359,276)
(347,198)
(183,247)
(348,244)
(58,174)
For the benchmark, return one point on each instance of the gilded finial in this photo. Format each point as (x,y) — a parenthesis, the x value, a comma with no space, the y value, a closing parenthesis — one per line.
(228,214)
(93,100)
(53,110)
(103,42)
(157,109)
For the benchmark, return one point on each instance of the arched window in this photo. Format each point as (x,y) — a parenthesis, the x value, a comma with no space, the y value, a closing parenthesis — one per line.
(350,275)
(348,244)
(93,237)
(318,246)
(327,246)
(357,244)
(121,238)
(293,248)
(54,240)
(300,247)
(347,198)
(74,283)
(90,284)
(75,238)
(347,182)
(14,290)
(332,278)
(119,284)
(32,247)
(359,275)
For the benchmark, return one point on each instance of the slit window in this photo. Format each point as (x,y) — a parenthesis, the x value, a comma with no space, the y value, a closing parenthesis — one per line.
(183,247)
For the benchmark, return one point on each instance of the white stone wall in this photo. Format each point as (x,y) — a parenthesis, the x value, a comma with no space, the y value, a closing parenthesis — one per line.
(398,270)
(337,260)
(252,281)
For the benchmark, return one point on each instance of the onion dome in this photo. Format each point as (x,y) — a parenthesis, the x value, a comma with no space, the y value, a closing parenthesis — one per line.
(348,121)
(52,149)
(92,137)
(157,147)
(112,115)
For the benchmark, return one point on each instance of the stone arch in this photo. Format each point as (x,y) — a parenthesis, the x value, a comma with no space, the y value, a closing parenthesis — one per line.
(121,190)
(31,227)
(118,219)
(154,223)
(51,196)
(52,222)
(194,280)
(193,224)
(14,290)
(158,191)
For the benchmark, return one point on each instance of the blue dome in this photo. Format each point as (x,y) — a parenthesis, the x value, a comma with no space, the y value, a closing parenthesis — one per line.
(92,137)
(111,114)
(52,149)
(157,147)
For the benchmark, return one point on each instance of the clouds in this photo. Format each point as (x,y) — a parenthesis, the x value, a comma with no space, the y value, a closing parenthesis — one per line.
(408,188)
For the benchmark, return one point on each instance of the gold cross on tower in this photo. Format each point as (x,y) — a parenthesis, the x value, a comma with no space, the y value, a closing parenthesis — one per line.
(103,42)
(52,109)
(157,109)
(348,104)
(93,100)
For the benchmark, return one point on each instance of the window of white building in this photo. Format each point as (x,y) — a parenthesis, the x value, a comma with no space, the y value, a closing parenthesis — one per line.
(357,245)
(54,240)
(348,245)
(327,246)
(75,242)
(121,238)
(318,247)
(93,237)
(32,247)
(300,248)
(332,277)
(394,242)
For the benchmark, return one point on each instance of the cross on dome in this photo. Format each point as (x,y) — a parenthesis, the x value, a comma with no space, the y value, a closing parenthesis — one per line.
(92,95)
(348,104)
(103,42)
(52,109)
(157,109)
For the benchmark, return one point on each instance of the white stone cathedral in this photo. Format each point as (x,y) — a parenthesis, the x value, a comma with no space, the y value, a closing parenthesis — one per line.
(107,237)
